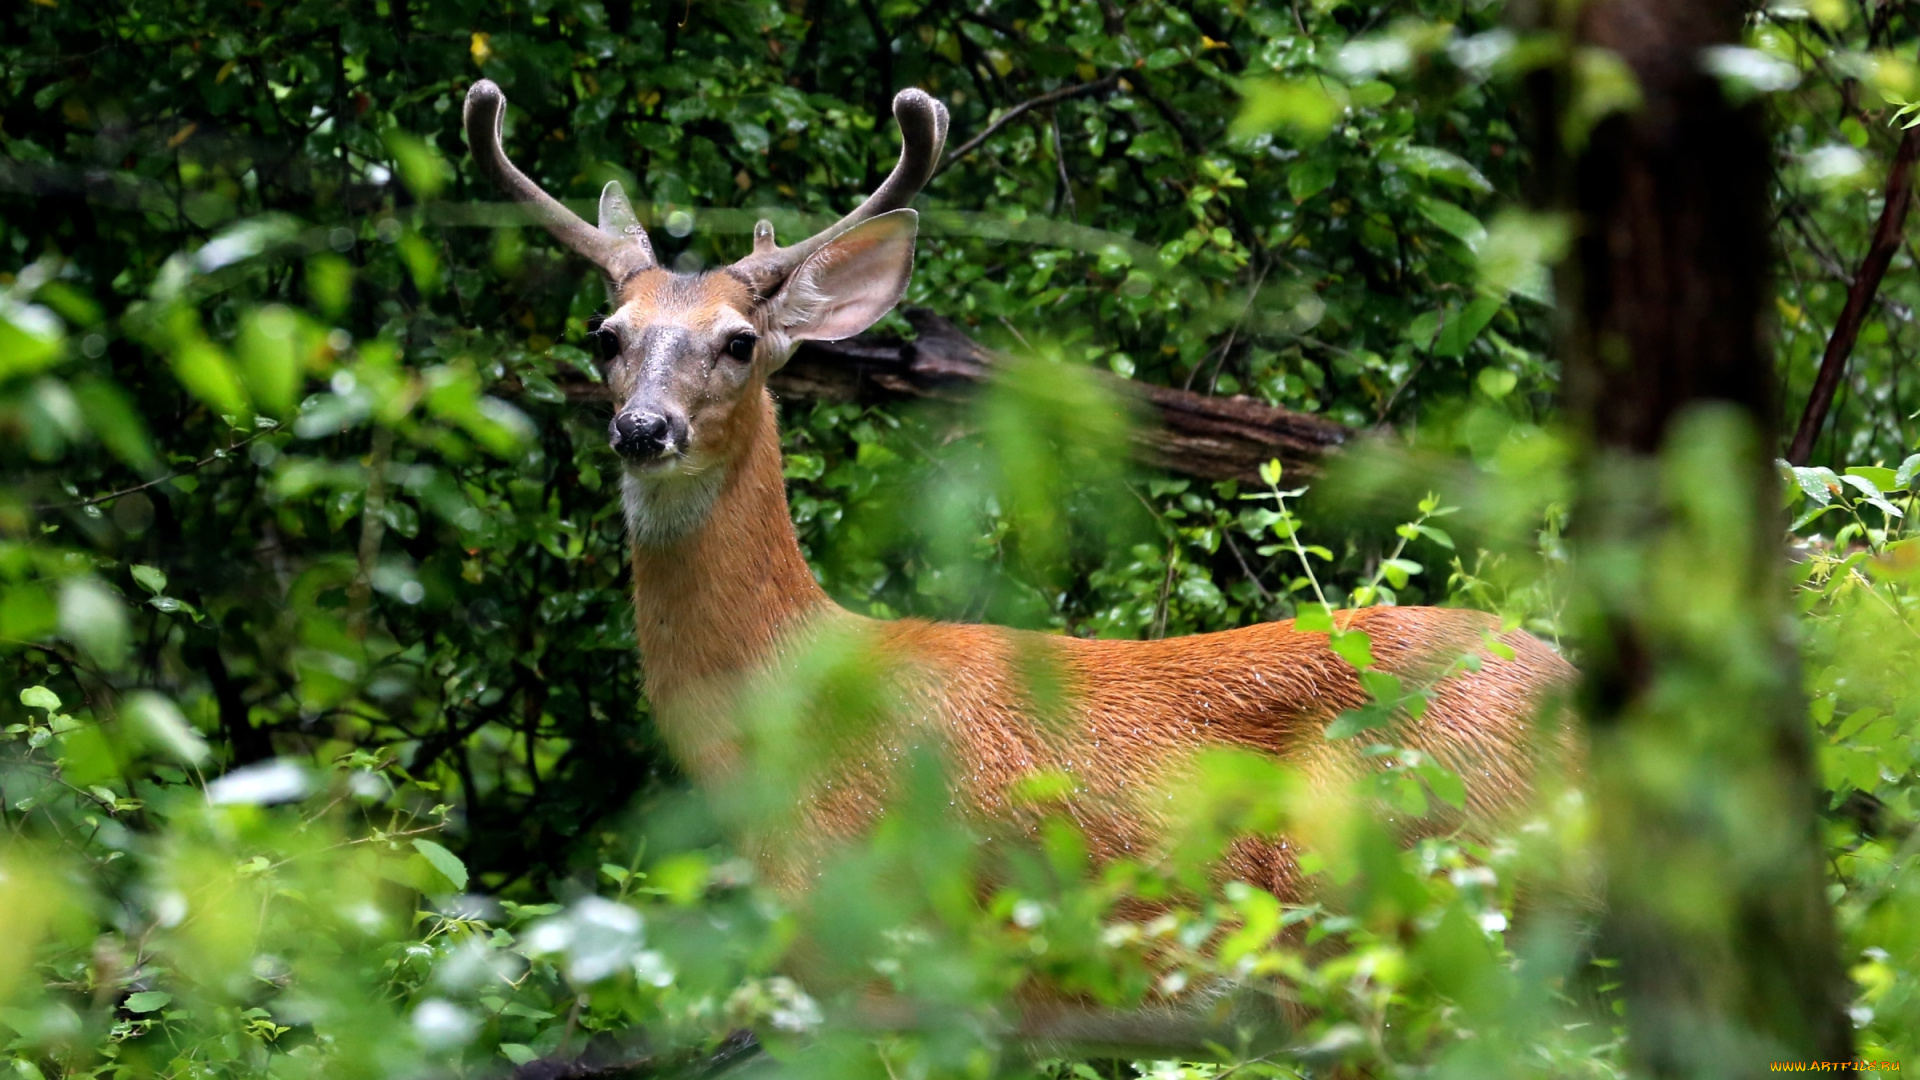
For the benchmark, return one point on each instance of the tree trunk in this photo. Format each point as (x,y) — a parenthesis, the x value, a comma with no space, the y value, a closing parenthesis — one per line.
(1702,759)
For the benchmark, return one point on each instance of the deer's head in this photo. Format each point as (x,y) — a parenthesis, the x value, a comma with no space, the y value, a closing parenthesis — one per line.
(688,354)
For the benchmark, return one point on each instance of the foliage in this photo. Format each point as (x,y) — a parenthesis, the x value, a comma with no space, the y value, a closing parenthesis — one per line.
(325,750)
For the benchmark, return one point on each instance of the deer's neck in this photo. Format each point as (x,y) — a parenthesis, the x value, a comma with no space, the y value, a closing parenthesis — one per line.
(713,599)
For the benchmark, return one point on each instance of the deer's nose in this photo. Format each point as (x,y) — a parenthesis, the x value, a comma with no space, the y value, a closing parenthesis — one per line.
(640,435)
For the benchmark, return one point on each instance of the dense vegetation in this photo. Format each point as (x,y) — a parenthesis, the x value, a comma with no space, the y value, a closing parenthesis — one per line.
(325,750)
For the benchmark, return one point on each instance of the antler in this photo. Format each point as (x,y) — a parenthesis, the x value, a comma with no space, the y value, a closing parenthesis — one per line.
(923,129)
(619,246)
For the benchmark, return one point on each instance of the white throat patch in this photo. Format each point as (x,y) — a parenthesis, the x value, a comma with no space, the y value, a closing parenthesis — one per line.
(665,508)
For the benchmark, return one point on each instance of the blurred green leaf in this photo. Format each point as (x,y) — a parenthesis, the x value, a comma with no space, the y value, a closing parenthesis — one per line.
(162,726)
(31,339)
(116,422)
(1305,107)
(421,167)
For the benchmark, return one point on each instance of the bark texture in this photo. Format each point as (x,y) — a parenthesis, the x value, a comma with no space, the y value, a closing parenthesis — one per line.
(1702,761)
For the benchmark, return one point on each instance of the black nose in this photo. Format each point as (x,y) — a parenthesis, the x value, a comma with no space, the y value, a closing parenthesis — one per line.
(640,435)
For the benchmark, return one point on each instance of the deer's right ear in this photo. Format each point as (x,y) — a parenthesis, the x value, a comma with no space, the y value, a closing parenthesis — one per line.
(846,286)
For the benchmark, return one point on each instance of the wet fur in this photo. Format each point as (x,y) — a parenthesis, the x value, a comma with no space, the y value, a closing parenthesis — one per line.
(724,603)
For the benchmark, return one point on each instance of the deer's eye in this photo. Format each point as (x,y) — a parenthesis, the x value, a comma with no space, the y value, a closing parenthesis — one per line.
(606,343)
(740,347)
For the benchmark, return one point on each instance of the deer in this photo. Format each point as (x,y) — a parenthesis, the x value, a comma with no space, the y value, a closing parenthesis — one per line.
(724,599)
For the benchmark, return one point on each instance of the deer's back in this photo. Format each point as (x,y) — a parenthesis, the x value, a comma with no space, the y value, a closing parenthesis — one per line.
(1121,718)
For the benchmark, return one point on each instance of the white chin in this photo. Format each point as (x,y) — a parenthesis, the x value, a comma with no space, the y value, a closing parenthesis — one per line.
(668,499)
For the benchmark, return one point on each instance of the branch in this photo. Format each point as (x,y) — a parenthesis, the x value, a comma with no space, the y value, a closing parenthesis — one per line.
(1048,98)
(217,455)
(1214,438)
(1887,235)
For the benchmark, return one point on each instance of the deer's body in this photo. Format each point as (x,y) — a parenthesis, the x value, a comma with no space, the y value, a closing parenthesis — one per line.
(1131,712)
(725,603)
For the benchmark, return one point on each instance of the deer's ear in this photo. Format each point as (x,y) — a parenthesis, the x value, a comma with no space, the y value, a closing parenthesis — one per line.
(853,279)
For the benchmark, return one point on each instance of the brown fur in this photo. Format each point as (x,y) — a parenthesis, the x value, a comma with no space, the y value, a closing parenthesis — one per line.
(728,602)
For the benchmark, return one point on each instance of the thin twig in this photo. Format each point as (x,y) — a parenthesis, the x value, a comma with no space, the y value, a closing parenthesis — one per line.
(1048,98)
(1166,592)
(1060,165)
(217,455)
(1232,332)
(372,531)
(1244,568)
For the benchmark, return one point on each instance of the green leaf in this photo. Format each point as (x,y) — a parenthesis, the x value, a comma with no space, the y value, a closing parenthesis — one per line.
(445,861)
(1312,618)
(1496,382)
(1860,480)
(1445,784)
(150,578)
(1453,220)
(207,374)
(1442,165)
(1818,483)
(1603,84)
(330,284)
(1309,178)
(518,1053)
(92,615)
(39,697)
(423,261)
(31,338)
(1420,331)
(162,725)
(1464,325)
(1813,514)
(1438,536)
(115,422)
(1903,477)
(1386,690)
(1882,479)
(1353,646)
(271,356)
(1306,107)
(1398,571)
(1370,94)
(1519,248)
(1870,493)
(1162,59)
(147,1001)
(1270,472)
(1354,721)
(1410,797)
(421,167)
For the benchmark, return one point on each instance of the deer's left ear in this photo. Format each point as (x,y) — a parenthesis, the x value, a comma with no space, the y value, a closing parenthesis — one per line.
(853,279)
